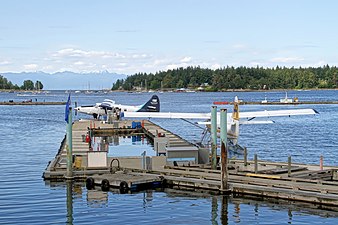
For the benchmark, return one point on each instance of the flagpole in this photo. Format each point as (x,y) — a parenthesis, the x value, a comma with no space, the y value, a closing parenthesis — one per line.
(69,133)
(69,146)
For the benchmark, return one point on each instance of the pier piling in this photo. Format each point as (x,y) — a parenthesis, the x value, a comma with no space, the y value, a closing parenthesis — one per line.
(245,157)
(321,162)
(214,137)
(289,165)
(224,152)
(256,163)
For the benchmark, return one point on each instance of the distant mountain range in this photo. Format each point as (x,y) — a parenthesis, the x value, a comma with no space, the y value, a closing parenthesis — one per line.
(67,80)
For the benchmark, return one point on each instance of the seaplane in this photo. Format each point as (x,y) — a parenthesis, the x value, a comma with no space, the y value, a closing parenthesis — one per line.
(99,109)
(234,120)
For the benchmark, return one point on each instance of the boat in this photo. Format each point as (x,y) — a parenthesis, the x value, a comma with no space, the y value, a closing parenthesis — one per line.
(265,100)
(286,99)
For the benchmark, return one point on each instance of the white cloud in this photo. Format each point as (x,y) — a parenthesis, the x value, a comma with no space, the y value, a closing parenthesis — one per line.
(157,63)
(5,62)
(75,59)
(30,67)
(71,52)
(122,64)
(186,60)
(48,68)
(171,66)
(139,56)
(79,63)
(287,59)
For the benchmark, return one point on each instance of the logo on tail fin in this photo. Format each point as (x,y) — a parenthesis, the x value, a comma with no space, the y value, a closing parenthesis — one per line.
(153,105)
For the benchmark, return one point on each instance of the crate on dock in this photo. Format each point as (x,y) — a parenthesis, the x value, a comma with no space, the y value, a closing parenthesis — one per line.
(97,159)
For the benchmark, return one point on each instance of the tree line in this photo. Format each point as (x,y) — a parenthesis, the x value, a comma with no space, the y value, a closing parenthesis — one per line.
(27,85)
(230,78)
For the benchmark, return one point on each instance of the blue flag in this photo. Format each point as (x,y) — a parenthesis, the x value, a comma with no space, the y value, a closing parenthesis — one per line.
(67,109)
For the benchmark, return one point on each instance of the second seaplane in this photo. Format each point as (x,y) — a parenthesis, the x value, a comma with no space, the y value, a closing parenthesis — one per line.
(234,120)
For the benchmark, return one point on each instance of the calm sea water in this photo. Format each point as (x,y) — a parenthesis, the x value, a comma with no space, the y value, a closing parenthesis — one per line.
(31,135)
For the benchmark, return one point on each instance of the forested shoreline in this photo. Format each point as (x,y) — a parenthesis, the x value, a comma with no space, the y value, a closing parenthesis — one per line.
(231,78)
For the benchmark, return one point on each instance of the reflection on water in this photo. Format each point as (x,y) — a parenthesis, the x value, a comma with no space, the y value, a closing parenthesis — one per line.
(163,205)
(97,198)
(116,145)
(69,202)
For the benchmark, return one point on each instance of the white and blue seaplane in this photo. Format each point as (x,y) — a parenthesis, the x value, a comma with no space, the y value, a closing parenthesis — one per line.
(100,109)
(234,120)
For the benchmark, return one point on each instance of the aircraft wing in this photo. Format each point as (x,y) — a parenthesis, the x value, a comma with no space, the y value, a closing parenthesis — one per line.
(206,116)
(267,113)
(167,115)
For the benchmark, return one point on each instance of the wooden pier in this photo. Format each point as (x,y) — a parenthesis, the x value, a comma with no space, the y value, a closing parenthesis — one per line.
(290,181)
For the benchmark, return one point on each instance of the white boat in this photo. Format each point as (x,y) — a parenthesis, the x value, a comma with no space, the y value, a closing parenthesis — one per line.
(286,99)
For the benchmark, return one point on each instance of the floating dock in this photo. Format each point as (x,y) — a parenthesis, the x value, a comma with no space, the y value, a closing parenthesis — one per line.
(124,181)
(184,165)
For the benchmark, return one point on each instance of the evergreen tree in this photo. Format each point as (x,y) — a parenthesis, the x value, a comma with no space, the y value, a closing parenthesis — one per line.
(27,85)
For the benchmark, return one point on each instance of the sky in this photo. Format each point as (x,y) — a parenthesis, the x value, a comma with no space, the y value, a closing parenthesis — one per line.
(128,36)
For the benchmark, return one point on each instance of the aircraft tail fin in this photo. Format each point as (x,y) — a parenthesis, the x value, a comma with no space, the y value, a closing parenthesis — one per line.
(153,105)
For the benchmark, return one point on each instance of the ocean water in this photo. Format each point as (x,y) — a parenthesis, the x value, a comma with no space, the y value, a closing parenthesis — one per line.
(31,135)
